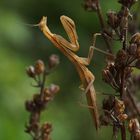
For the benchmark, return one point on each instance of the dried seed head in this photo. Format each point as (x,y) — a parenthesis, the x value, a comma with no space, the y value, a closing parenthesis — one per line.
(137,135)
(39,102)
(135,38)
(122,117)
(113,19)
(31,71)
(39,67)
(46,92)
(121,55)
(107,76)
(119,106)
(45,131)
(110,75)
(46,128)
(134,128)
(132,49)
(112,69)
(49,92)
(30,106)
(53,61)
(108,103)
(47,95)
(121,58)
(54,89)
(127,3)
(90,5)
(128,72)
(133,125)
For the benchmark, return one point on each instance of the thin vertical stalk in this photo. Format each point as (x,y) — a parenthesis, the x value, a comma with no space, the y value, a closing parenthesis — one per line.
(100,16)
(122,88)
(122,92)
(123,132)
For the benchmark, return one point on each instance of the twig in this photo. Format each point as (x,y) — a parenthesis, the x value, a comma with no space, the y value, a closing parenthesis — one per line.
(123,132)
(100,16)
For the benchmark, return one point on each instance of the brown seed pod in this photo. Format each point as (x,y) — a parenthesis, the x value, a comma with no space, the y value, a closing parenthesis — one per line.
(119,106)
(133,125)
(121,56)
(46,128)
(39,67)
(122,117)
(137,135)
(30,71)
(127,3)
(132,49)
(113,19)
(90,5)
(135,38)
(108,103)
(53,60)
(107,76)
(54,89)
(49,92)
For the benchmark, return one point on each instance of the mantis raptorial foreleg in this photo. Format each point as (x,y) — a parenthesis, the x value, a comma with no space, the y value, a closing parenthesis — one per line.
(73,45)
(64,43)
(70,29)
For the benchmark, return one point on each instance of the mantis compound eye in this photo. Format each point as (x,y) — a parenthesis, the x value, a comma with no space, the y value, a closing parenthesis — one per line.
(42,23)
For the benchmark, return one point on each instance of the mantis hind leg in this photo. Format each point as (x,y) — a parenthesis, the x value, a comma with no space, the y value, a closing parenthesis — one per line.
(89,85)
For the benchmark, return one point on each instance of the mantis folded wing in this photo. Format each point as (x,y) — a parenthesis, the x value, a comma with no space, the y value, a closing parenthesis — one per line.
(68,49)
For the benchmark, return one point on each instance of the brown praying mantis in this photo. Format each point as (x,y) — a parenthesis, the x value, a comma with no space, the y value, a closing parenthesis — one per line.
(68,49)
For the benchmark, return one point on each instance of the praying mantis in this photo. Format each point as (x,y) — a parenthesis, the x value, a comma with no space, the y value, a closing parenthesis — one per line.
(69,49)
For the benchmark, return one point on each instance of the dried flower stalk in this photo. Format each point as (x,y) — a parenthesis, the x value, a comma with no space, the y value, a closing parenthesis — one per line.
(38,103)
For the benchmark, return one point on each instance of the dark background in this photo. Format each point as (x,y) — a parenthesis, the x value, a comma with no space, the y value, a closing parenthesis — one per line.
(21,45)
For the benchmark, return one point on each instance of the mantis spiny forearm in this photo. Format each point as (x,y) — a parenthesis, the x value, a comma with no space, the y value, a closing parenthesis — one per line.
(68,49)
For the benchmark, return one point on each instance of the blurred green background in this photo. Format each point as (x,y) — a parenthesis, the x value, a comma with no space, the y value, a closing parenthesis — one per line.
(21,45)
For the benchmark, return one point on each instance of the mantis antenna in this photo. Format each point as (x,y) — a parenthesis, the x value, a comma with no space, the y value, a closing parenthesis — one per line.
(31,25)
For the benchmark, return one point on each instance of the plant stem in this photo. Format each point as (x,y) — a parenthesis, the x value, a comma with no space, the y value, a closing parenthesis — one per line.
(123,132)
(122,92)
(122,88)
(100,16)
(42,85)
(125,32)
